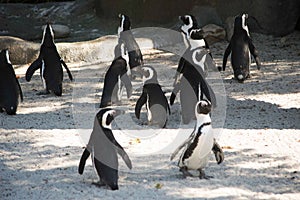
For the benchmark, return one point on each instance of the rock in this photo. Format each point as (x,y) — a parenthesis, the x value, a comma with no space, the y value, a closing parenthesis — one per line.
(214,33)
(144,11)
(21,51)
(206,15)
(60,31)
(229,26)
(276,17)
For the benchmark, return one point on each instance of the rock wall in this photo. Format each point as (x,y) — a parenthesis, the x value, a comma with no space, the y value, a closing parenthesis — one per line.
(276,17)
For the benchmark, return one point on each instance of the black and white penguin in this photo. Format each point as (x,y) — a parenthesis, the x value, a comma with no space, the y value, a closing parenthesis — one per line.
(49,62)
(10,89)
(241,47)
(156,102)
(125,35)
(104,149)
(198,147)
(192,70)
(116,78)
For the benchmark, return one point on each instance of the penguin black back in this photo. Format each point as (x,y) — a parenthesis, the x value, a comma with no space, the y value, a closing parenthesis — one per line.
(104,148)
(10,88)
(50,64)
(241,47)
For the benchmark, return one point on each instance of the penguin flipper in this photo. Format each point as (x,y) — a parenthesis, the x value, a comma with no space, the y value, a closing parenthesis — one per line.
(126,80)
(67,69)
(219,154)
(125,157)
(226,54)
(174,93)
(254,52)
(83,159)
(187,141)
(37,64)
(139,104)
(20,89)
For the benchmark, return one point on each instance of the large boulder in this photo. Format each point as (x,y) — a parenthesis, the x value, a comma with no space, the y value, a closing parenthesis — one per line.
(213,33)
(276,17)
(157,11)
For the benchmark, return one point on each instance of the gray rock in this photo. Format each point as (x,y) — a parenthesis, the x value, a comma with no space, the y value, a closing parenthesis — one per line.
(229,26)
(21,51)
(60,31)
(213,33)
(276,17)
(206,15)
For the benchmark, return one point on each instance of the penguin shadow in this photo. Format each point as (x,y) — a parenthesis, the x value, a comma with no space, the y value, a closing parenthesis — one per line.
(59,178)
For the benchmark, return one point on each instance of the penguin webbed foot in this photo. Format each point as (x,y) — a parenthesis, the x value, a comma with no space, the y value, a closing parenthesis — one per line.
(99,184)
(202,175)
(185,172)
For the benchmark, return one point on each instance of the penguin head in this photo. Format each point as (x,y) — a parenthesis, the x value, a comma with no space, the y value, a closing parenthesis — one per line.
(4,57)
(106,115)
(203,107)
(241,23)
(189,23)
(125,24)
(149,74)
(48,36)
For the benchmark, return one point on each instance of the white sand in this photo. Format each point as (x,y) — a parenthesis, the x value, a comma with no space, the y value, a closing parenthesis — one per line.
(41,146)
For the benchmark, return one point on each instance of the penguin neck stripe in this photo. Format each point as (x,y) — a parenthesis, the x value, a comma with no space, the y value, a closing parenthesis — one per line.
(202,125)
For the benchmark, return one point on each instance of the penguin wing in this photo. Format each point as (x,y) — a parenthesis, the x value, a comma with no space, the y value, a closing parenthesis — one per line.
(37,64)
(124,155)
(119,149)
(139,104)
(219,154)
(209,93)
(254,52)
(226,54)
(20,89)
(125,79)
(67,69)
(174,93)
(83,159)
(186,142)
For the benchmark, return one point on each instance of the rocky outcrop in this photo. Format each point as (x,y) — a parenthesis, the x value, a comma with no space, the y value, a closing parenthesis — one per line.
(276,17)
(214,33)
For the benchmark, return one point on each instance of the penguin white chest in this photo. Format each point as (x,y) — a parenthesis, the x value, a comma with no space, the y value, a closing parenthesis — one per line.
(201,153)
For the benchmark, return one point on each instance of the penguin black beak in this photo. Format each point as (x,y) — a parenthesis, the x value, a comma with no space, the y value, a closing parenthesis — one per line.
(120,15)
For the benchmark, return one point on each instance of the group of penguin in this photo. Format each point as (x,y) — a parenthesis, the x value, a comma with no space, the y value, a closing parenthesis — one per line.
(197,98)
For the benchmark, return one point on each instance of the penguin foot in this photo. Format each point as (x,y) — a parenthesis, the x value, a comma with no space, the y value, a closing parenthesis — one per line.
(99,184)
(185,172)
(202,175)
(219,154)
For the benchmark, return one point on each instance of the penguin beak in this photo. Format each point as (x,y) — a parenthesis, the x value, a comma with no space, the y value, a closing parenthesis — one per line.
(120,15)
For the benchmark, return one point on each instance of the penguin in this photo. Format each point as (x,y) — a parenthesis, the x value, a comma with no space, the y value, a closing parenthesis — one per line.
(115,78)
(104,149)
(192,86)
(192,70)
(10,89)
(125,35)
(156,102)
(198,147)
(241,47)
(49,62)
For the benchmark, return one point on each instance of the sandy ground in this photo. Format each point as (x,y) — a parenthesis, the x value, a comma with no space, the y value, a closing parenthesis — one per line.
(41,146)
